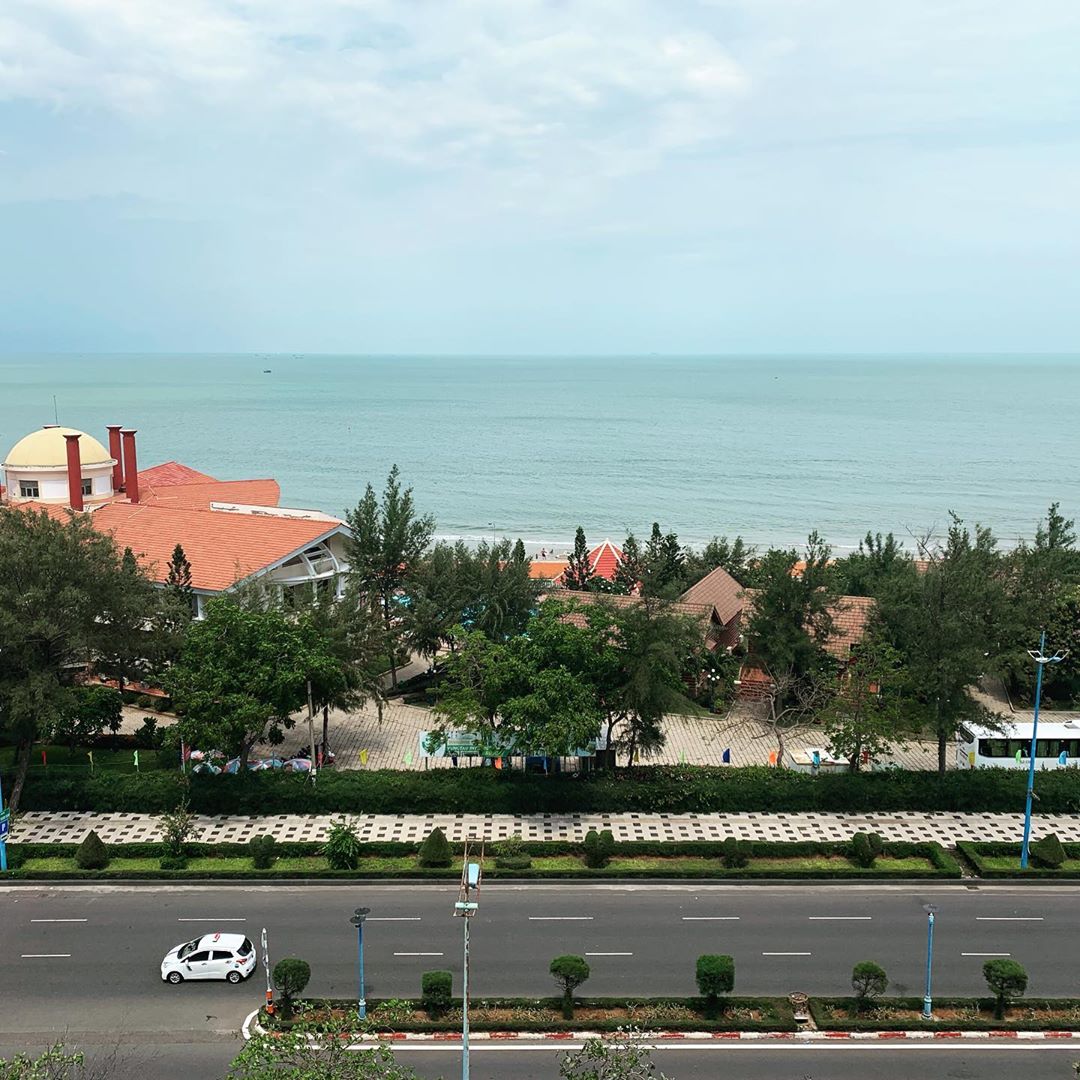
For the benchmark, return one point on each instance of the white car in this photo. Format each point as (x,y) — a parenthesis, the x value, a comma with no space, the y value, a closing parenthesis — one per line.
(213,956)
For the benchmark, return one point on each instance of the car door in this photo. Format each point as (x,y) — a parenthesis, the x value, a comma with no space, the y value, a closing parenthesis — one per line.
(197,965)
(220,962)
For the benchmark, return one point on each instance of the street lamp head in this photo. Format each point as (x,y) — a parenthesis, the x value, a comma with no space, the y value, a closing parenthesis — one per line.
(358,917)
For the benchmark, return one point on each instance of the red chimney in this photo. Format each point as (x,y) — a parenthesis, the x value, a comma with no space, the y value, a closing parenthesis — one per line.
(131,469)
(74,471)
(114,453)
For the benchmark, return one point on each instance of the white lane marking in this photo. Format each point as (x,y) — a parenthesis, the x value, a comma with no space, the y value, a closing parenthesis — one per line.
(609,954)
(211,920)
(393,918)
(560,918)
(1009,918)
(43,955)
(418,954)
(711,918)
(786,954)
(840,918)
(986,954)
(58,920)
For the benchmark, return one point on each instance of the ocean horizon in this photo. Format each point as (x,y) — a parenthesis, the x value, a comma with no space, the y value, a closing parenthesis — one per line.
(767,447)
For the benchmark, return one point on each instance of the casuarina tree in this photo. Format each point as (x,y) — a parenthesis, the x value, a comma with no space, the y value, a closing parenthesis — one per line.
(579,573)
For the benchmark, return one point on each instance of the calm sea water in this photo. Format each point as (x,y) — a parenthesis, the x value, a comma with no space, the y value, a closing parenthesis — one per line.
(531,447)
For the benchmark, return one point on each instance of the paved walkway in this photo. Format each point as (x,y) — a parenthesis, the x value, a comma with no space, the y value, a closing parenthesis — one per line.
(946,828)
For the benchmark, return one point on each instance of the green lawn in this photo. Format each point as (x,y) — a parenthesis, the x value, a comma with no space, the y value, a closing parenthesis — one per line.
(1011,863)
(66,759)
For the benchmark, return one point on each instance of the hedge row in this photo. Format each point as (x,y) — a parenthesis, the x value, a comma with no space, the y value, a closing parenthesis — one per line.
(974,853)
(647,789)
(1011,1023)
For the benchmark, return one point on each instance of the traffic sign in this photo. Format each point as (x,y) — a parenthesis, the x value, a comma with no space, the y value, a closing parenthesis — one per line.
(5,823)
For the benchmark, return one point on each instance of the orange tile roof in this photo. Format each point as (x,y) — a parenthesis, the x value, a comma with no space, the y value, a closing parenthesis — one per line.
(604,560)
(721,590)
(547,571)
(171,472)
(222,547)
(705,614)
(199,496)
(850,616)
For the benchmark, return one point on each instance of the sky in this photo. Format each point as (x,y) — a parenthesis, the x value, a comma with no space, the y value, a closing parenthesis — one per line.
(521,176)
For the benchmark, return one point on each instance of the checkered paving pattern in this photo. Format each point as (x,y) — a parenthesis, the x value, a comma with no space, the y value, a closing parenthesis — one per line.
(946,828)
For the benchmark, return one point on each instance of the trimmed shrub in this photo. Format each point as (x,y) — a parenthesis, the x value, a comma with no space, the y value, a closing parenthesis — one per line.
(291,976)
(569,972)
(861,851)
(598,848)
(1048,852)
(715,976)
(513,862)
(877,845)
(342,848)
(435,850)
(869,981)
(263,852)
(1007,979)
(172,862)
(91,853)
(436,989)
(736,853)
(510,854)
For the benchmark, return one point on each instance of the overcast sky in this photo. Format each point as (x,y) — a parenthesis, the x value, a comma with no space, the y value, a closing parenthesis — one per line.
(539,177)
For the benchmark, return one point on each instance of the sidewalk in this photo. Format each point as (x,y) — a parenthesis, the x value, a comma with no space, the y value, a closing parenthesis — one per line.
(69,827)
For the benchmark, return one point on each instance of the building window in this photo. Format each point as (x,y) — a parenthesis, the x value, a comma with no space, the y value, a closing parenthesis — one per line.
(87,487)
(28,489)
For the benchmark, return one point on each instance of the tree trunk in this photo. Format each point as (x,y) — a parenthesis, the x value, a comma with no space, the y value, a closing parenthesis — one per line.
(325,731)
(942,743)
(22,766)
(390,644)
(245,753)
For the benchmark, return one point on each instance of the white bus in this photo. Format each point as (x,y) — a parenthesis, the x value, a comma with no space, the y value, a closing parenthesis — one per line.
(1057,746)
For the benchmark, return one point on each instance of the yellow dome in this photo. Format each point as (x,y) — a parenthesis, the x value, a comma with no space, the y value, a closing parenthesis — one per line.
(47,449)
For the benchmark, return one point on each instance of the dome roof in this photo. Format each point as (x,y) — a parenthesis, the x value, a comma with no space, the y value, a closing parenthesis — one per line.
(47,449)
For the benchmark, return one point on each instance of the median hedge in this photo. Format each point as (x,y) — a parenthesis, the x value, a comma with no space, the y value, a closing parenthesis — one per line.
(646,789)
(839,1014)
(978,853)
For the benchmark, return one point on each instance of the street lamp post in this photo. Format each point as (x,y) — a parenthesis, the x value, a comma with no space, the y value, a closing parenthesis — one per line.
(928,1001)
(357,920)
(466,907)
(1041,660)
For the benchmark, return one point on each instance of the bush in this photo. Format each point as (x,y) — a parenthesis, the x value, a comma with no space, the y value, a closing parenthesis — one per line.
(513,862)
(877,845)
(1006,979)
(569,972)
(1048,852)
(91,853)
(861,851)
(172,862)
(736,853)
(342,848)
(436,989)
(291,976)
(869,981)
(177,828)
(263,852)
(510,854)
(598,847)
(146,736)
(435,850)
(715,976)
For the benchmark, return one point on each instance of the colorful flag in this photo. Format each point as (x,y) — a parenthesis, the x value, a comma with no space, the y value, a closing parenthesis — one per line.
(44,760)
(136,760)
(971,758)
(408,757)
(363,757)
(90,755)
(726,756)
(774,757)
(498,763)
(1017,757)
(1063,757)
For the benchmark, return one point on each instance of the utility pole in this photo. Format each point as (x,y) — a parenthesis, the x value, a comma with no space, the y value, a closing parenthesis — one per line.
(465,908)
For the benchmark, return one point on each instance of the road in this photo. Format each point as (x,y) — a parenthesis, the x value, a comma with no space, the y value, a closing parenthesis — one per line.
(85,958)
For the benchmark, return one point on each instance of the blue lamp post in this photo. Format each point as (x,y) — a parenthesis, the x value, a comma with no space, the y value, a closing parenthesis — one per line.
(1041,660)
(928,1001)
(357,920)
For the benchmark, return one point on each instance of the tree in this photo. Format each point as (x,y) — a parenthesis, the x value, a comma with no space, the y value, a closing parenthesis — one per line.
(125,649)
(579,572)
(315,1048)
(869,982)
(435,850)
(569,972)
(242,673)
(715,976)
(663,569)
(877,559)
(388,541)
(91,854)
(291,976)
(1006,979)
(621,1056)
(866,714)
(436,992)
(178,578)
(947,625)
(631,568)
(500,596)
(177,827)
(57,1063)
(62,585)
(735,556)
(92,709)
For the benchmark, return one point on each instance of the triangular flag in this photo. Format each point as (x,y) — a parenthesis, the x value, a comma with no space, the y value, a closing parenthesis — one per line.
(1017,757)
(726,756)
(773,757)
(363,757)
(408,757)
(90,755)
(498,763)
(136,760)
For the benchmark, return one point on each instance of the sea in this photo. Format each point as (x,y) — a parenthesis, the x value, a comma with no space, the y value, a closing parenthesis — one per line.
(766,447)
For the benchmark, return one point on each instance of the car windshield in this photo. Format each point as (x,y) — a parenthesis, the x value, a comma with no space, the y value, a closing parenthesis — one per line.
(187,950)
(245,948)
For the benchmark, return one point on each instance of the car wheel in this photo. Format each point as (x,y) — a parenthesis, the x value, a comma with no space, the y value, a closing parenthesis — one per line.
(175,977)
(234,977)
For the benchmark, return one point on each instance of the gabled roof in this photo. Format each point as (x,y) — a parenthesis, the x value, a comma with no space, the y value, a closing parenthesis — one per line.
(223,548)
(171,472)
(721,590)
(199,496)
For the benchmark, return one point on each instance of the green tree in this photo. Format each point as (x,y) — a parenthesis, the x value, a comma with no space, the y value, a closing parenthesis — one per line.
(93,708)
(620,1056)
(1007,980)
(500,595)
(63,586)
(57,1063)
(291,976)
(91,854)
(664,558)
(869,982)
(947,625)
(242,673)
(735,556)
(865,571)
(569,972)
(315,1048)
(388,541)
(715,976)
(631,569)
(579,572)
(178,578)
(126,650)
(177,827)
(435,850)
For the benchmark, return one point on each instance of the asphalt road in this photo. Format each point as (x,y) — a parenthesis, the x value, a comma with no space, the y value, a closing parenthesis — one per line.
(952,1061)
(86,958)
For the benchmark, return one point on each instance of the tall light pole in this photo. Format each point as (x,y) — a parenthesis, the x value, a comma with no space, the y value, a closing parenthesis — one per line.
(928,1001)
(466,907)
(357,920)
(1041,660)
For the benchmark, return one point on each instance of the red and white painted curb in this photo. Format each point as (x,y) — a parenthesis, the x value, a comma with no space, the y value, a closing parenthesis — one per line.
(653,1038)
